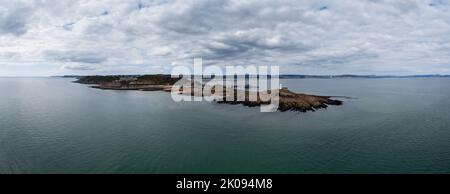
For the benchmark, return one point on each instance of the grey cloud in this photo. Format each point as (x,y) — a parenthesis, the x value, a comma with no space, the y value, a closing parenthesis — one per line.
(75,56)
(78,67)
(14,18)
(9,55)
(69,26)
(343,35)
(339,59)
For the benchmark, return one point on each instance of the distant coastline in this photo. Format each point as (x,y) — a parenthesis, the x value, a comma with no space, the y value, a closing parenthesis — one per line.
(300,76)
(295,76)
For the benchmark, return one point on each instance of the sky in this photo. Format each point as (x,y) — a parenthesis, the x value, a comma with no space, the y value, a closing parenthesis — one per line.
(382,37)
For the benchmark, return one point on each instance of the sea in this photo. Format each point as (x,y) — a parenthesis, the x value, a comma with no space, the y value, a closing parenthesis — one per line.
(387,125)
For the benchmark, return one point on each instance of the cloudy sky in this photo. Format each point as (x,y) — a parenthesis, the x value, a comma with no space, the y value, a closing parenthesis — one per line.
(54,37)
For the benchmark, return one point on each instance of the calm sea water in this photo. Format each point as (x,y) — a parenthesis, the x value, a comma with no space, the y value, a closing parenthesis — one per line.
(50,125)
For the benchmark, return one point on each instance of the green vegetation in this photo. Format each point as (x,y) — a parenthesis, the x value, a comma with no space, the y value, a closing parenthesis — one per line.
(96,79)
(126,80)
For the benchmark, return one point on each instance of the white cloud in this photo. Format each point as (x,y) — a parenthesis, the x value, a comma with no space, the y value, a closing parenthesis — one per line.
(305,37)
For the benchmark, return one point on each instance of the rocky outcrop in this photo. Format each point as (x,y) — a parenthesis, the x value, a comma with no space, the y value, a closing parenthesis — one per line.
(288,100)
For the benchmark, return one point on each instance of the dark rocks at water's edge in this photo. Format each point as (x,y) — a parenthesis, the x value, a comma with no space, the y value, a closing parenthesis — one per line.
(288,100)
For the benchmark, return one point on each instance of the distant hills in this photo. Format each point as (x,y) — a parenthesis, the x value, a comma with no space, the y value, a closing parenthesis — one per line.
(293,76)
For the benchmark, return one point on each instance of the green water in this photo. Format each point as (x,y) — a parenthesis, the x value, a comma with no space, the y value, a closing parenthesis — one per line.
(50,125)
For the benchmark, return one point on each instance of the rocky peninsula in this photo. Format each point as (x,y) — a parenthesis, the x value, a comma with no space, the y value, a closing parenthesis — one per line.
(288,100)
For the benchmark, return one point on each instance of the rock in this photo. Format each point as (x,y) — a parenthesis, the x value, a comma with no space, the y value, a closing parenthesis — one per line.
(288,100)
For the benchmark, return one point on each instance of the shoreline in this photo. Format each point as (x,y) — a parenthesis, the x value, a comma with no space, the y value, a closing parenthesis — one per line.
(288,100)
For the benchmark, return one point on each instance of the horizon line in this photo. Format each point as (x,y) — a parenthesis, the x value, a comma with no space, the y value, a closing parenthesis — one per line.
(312,75)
